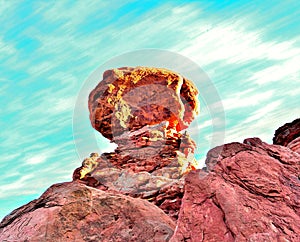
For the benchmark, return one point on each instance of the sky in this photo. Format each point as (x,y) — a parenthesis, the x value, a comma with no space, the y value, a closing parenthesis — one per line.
(52,53)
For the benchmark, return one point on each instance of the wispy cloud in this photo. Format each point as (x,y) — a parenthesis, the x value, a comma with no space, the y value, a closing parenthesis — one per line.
(262,112)
(16,185)
(6,48)
(263,125)
(244,99)
(231,42)
(286,71)
(37,159)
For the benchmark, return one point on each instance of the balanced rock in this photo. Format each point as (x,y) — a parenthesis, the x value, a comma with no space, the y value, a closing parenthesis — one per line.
(143,110)
(130,98)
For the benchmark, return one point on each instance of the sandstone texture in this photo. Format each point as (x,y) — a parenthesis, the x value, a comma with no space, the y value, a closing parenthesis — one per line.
(75,212)
(250,192)
(162,191)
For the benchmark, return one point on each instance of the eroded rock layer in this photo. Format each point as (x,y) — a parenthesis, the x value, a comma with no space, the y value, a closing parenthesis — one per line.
(165,192)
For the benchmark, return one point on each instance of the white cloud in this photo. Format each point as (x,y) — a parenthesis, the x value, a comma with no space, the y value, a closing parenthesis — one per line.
(75,13)
(245,99)
(7,158)
(37,159)
(4,5)
(293,92)
(6,49)
(62,105)
(16,186)
(263,112)
(287,71)
(206,123)
(233,43)
(40,68)
(264,125)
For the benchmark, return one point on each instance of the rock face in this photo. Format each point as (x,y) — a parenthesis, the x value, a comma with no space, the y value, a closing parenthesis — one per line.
(289,135)
(143,110)
(75,212)
(251,192)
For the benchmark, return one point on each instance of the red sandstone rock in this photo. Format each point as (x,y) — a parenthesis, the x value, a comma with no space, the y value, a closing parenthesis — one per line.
(130,98)
(75,212)
(294,145)
(164,189)
(143,111)
(287,134)
(251,193)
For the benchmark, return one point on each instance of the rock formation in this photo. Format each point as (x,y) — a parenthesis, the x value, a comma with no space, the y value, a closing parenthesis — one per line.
(128,99)
(143,111)
(149,190)
(251,192)
(288,135)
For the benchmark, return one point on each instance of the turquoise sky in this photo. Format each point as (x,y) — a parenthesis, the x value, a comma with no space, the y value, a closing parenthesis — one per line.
(249,49)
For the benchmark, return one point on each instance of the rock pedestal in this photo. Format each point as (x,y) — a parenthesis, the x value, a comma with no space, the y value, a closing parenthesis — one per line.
(144,111)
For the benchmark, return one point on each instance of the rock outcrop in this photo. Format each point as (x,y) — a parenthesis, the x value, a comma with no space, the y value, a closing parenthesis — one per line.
(75,212)
(250,192)
(288,135)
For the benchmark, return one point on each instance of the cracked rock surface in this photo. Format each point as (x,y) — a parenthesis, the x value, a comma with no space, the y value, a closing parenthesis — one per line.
(251,192)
